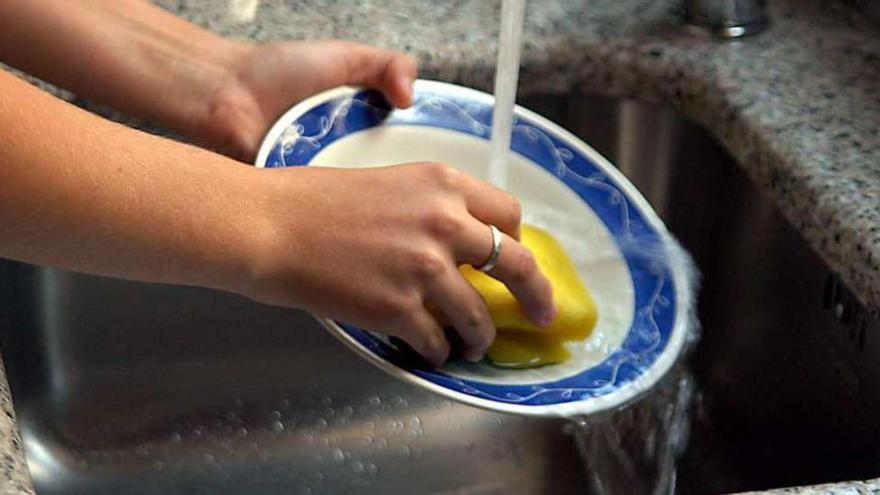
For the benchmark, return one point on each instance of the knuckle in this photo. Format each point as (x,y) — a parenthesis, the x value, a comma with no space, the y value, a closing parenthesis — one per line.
(399,308)
(515,211)
(525,267)
(482,331)
(442,174)
(433,340)
(445,223)
(437,346)
(428,264)
(475,317)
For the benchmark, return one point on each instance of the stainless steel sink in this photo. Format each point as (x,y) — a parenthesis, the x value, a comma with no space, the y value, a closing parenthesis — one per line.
(131,388)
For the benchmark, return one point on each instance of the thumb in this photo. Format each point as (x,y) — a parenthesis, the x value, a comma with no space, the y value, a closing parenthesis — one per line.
(392,73)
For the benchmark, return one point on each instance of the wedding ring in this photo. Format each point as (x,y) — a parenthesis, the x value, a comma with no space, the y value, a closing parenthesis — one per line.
(496,250)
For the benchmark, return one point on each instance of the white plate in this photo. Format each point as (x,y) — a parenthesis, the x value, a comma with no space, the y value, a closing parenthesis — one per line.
(619,245)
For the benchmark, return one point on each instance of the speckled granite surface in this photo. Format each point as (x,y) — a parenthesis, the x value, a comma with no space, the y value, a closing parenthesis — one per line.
(797,106)
(851,488)
(14,478)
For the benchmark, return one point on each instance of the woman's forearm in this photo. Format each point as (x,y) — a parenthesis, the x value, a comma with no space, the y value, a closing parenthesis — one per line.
(127,54)
(85,194)
(375,247)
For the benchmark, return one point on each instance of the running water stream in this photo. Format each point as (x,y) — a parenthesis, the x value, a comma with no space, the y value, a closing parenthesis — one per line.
(506,81)
(633,449)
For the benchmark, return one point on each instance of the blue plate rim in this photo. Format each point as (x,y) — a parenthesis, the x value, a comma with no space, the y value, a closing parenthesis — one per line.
(620,396)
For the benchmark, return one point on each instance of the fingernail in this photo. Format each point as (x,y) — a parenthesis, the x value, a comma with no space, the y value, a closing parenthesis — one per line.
(406,84)
(474,357)
(547,316)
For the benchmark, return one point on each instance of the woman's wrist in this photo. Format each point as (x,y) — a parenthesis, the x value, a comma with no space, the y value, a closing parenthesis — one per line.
(262,232)
(191,75)
(143,60)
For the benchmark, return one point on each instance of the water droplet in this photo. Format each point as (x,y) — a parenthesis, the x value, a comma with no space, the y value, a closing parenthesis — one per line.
(499,420)
(319,477)
(347,411)
(325,442)
(372,469)
(359,467)
(285,403)
(347,455)
(399,402)
(309,438)
(415,422)
(321,423)
(326,401)
(231,416)
(382,443)
(329,412)
(242,432)
(277,426)
(197,432)
(175,437)
(368,440)
(406,451)
(209,457)
(338,455)
(275,415)
(374,401)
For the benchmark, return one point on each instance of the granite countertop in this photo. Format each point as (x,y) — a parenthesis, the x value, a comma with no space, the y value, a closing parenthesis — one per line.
(798,106)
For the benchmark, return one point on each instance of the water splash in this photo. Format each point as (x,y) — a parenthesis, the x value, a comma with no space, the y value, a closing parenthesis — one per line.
(635,449)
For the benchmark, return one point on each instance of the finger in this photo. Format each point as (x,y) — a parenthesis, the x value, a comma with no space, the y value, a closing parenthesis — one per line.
(492,205)
(464,309)
(516,269)
(391,72)
(422,332)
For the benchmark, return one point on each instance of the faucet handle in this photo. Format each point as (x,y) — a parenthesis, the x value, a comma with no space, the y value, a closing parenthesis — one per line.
(727,18)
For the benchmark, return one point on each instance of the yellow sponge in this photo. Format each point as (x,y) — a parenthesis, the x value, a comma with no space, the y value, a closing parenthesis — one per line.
(526,350)
(576,312)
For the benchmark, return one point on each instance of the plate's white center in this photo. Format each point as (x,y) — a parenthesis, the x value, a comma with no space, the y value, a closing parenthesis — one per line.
(546,202)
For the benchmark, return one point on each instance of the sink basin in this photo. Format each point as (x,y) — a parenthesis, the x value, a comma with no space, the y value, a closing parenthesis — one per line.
(132,388)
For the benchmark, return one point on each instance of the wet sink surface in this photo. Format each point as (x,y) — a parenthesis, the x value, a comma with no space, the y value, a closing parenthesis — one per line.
(133,388)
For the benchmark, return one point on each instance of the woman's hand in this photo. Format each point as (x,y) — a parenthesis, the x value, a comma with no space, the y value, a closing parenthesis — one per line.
(265,80)
(380,248)
(150,64)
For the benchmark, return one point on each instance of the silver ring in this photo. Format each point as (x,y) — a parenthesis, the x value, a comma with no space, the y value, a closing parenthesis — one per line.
(496,250)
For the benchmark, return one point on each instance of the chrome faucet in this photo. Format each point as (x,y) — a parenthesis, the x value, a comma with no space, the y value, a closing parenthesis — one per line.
(727,18)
